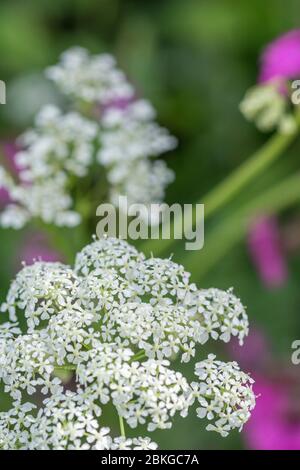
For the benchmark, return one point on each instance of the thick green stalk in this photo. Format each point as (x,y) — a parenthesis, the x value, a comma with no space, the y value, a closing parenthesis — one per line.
(232,185)
(246,172)
(66,367)
(233,228)
(122,427)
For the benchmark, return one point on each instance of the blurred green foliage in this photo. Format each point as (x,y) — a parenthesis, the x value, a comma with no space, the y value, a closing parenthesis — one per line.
(194,59)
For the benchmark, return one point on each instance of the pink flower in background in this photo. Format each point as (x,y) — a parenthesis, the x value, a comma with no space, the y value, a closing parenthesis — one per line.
(9,150)
(281,58)
(36,247)
(4,197)
(266,251)
(255,352)
(273,424)
(119,103)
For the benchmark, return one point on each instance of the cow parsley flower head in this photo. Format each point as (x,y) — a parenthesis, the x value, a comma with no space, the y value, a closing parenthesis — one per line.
(108,135)
(224,394)
(222,315)
(131,133)
(90,78)
(116,321)
(58,142)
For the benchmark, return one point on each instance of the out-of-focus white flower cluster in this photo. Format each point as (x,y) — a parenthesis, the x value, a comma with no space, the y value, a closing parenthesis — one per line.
(267,106)
(90,78)
(116,320)
(129,139)
(111,129)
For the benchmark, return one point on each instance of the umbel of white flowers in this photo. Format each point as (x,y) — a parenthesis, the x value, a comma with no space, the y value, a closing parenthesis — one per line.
(117,320)
(117,133)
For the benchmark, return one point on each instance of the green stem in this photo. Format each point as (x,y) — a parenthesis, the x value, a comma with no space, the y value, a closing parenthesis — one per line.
(139,356)
(66,367)
(122,427)
(233,228)
(246,172)
(232,185)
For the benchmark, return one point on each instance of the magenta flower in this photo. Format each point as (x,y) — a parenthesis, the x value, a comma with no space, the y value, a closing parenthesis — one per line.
(9,150)
(120,103)
(266,251)
(255,353)
(281,58)
(4,197)
(275,422)
(273,425)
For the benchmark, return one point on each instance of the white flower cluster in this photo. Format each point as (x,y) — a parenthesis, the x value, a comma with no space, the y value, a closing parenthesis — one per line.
(90,78)
(158,309)
(116,320)
(129,137)
(224,394)
(222,315)
(60,145)
(116,132)
(58,142)
(64,423)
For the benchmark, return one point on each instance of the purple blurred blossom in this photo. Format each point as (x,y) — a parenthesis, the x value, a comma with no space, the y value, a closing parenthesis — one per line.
(37,247)
(119,103)
(255,352)
(281,58)
(266,251)
(275,421)
(10,150)
(4,197)
(273,424)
